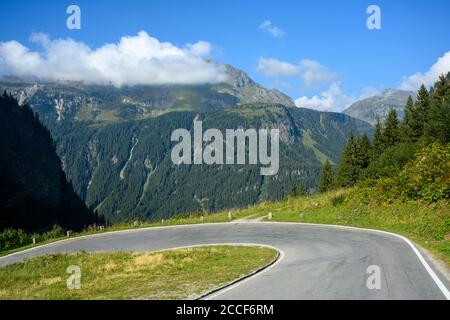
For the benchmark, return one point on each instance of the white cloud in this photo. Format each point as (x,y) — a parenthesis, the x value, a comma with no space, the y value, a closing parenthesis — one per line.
(413,82)
(138,59)
(333,99)
(274,67)
(200,49)
(314,72)
(270,28)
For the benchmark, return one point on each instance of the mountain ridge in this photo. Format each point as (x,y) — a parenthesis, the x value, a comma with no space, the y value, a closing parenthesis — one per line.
(79,101)
(377,107)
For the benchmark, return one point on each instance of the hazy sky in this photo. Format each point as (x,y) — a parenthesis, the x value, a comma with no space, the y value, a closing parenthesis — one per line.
(318,52)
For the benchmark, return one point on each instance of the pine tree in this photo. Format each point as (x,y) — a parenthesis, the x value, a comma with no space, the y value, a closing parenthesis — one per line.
(349,167)
(377,144)
(437,126)
(326,181)
(407,126)
(364,149)
(391,132)
(420,114)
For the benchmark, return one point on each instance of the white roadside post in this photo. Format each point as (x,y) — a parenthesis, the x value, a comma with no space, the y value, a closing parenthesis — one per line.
(229,215)
(34,241)
(69,232)
(201,219)
(270,215)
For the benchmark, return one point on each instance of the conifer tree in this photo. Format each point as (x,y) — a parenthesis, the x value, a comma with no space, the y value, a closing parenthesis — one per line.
(407,125)
(437,126)
(419,116)
(377,144)
(326,181)
(364,149)
(391,133)
(349,167)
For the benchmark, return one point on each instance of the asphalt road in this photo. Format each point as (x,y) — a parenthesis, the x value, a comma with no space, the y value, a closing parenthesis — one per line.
(316,262)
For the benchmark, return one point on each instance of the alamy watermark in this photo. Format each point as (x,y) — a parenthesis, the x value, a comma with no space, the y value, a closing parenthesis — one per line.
(235,143)
(73,22)
(374,20)
(374,280)
(74,280)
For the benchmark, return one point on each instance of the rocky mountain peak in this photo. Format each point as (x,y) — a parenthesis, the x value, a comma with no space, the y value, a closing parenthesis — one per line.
(377,107)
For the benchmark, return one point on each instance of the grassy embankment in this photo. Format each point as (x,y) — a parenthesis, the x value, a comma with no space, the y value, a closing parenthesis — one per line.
(173,274)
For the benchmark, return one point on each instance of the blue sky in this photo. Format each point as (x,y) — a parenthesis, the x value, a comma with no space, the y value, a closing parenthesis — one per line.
(328,40)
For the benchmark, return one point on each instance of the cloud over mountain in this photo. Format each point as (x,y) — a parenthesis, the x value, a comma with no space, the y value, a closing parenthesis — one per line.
(333,99)
(139,59)
(314,72)
(413,82)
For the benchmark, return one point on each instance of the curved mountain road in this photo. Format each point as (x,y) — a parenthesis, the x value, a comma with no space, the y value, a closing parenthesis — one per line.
(316,262)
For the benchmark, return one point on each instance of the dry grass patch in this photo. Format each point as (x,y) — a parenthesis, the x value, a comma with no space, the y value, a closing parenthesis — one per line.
(174,274)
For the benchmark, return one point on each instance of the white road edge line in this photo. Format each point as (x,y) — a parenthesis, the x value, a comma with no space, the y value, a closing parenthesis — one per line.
(425,264)
(238,282)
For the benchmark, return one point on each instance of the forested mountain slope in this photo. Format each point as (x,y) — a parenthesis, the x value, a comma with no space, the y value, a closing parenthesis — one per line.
(124,169)
(115,143)
(34,192)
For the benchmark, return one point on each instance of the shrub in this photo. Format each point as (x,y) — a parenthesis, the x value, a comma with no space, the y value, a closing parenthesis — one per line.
(391,161)
(13,238)
(337,200)
(55,232)
(426,177)
(16,238)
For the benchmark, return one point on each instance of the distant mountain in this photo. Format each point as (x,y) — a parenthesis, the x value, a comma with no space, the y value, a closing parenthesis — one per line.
(248,91)
(124,169)
(34,192)
(378,106)
(80,102)
(115,143)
